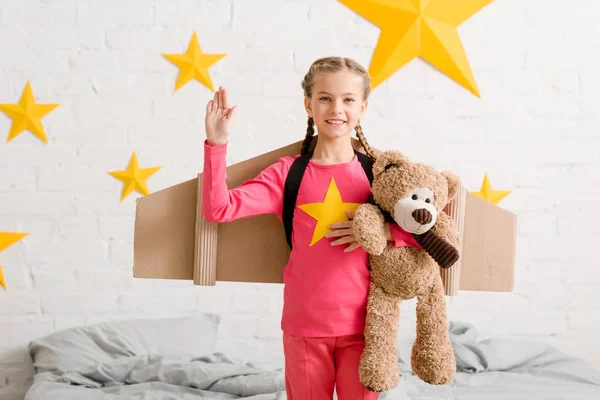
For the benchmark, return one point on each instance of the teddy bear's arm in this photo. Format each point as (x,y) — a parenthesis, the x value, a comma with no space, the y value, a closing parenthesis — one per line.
(368,225)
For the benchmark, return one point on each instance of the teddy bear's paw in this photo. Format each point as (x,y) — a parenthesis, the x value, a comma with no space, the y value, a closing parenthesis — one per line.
(370,389)
(374,246)
(436,378)
(378,374)
(434,366)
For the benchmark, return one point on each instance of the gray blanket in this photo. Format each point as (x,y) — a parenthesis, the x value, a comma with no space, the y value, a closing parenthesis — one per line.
(502,369)
(495,368)
(155,377)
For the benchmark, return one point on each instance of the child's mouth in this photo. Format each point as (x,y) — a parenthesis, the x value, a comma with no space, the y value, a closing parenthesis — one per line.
(335,122)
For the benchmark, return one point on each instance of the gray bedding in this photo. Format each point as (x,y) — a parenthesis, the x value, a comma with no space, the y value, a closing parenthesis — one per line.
(175,359)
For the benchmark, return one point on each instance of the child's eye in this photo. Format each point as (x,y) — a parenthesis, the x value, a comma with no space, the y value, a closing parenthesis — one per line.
(324,98)
(350,99)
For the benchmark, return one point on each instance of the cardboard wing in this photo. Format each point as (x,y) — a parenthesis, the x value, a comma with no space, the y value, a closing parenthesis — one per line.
(172,240)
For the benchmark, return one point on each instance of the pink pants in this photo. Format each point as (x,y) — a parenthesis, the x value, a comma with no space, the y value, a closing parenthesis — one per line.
(313,366)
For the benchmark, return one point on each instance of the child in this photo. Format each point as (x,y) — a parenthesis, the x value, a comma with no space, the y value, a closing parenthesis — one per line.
(326,289)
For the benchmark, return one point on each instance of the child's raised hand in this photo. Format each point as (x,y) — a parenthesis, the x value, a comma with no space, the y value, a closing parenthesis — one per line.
(219,118)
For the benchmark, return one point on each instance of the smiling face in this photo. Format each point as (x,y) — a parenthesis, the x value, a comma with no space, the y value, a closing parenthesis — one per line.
(337,103)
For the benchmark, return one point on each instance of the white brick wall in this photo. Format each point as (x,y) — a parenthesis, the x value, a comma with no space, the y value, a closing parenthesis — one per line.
(534,131)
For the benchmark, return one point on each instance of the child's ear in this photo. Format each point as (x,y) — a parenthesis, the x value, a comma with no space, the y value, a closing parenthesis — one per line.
(308,106)
(363,108)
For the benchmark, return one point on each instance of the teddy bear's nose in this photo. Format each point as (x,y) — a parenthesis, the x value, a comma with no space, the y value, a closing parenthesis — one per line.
(422,216)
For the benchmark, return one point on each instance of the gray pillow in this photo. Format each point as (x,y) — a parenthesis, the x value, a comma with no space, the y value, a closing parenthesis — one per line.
(76,348)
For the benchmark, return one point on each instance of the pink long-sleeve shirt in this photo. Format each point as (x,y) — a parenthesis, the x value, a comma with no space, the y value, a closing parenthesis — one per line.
(325,288)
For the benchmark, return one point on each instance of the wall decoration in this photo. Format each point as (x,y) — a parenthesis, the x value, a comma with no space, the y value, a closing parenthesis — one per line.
(488,194)
(6,240)
(27,115)
(134,177)
(419,28)
(194,64)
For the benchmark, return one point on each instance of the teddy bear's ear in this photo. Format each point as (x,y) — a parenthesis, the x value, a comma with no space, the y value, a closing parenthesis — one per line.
(453,184)
(388,159)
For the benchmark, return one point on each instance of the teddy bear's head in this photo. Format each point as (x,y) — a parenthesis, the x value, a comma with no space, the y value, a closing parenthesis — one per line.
(412,193)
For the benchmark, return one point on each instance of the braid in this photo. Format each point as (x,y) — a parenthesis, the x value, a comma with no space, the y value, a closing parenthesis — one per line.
(363,141)
(310,132)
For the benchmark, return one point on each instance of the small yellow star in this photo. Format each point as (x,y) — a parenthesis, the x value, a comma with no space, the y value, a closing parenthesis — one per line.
(134,177)
(413,28)
(193,64)
(331,210)
(488,194)
(27,115)
(6,240)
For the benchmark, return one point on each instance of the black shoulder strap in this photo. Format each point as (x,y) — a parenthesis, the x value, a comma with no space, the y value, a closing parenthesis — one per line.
(290,193)
(292,185)
(367,164)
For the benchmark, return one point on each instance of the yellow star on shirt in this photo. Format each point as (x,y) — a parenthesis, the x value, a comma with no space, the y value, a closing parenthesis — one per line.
(134,177)
(6,240)
(27,115)
(193,64)
(413,28)
(331,210)
(490,195)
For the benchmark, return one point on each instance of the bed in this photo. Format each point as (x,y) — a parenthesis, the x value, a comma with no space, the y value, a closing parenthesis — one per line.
(175,358)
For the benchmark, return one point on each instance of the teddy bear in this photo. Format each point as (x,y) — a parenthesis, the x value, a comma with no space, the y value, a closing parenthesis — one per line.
(413,195)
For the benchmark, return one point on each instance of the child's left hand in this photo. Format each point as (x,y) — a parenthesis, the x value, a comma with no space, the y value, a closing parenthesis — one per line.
(345,232)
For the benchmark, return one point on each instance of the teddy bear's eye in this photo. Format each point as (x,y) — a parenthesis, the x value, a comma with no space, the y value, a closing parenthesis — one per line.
(415,197)
(427,200)
(390,166)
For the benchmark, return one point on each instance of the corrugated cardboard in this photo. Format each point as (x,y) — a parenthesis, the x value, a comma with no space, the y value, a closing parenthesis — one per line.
(172,240)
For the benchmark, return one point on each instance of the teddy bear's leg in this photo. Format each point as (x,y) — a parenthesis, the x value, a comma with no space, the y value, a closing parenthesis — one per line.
(432,357)
(379,370)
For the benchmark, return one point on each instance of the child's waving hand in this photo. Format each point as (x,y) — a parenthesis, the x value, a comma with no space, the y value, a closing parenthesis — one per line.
(219,118)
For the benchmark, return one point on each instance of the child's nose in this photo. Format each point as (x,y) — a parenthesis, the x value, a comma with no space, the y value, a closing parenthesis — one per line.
(337,107)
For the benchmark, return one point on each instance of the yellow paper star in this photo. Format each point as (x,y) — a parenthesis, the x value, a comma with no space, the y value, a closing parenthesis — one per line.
(193,64)
(6,240)
(331,210)
(134,177)
(27,115)
(425,28)
(488,194)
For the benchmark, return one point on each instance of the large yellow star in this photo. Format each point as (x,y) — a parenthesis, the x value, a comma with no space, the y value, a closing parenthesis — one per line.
(134,177)
(27,115)
(193,64)
(425,28)
(488,194)
(331,210)
(6,240)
